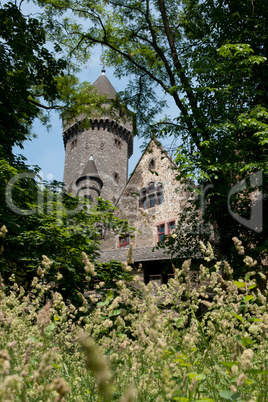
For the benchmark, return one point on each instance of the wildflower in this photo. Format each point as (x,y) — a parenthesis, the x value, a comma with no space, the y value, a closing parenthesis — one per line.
(249,261)
(241,379)
(40,272)
(27,356)
(43,317)
(12,344)
(227,269)
(47,263)
(4,362)
(246,359)
(130,254)
(234,370)
(3,231)
(59,385)
(59,276)
(238,246)
(130,395)
(254,329)
(233,389)
(261,274)
(126,267)
(97,363)
(88,266)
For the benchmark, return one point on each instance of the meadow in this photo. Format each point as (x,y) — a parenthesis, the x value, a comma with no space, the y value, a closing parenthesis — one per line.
(201,337)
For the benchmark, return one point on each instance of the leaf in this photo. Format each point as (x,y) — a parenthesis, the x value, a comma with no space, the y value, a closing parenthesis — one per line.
(228,364)
(239,317)
(203,400)
(181,399)
(226,394)
(249,297)
(56,317)
(246,341)
(196,376)
(239,284)
(56,366)
(115,312)
(104,303)
(257,371)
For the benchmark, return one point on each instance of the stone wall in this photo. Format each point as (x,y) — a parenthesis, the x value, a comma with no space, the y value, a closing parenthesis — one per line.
(146,221)
(110,143)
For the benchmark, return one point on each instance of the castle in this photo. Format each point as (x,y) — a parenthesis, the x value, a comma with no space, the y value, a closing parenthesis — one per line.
(96,165)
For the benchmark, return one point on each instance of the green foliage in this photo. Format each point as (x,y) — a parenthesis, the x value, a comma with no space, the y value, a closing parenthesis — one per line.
(47,222)
(208,343)
(28,75)
(209,59)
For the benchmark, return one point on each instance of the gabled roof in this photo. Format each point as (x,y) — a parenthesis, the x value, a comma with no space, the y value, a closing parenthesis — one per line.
(163,151)
(104,87)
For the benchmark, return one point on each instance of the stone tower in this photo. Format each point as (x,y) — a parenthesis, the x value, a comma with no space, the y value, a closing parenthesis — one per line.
(96,157)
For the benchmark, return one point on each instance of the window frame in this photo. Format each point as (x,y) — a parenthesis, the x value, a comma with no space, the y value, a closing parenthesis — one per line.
(161,233)
(167,230)
(151,195)
(125,243)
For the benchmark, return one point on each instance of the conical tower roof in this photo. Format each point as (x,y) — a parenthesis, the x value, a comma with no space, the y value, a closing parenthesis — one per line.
(90,171)
(104,87)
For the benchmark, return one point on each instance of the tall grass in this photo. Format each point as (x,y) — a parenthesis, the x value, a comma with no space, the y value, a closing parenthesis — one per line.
(202,337)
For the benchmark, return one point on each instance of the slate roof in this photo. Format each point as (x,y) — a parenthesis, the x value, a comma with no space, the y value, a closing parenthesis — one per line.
(104,87)
(140,254)
(90,171)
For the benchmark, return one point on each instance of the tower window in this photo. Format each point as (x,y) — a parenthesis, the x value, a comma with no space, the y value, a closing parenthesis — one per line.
(88,197)
(74,143)
(116,177)
(117,143)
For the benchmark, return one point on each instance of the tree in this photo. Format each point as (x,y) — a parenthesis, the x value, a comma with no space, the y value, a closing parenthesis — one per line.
(209,58)
(39,218)
(66,230)
(34,80)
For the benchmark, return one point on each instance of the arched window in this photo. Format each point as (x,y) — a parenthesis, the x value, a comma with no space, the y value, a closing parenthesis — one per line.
(152,164)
